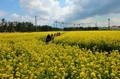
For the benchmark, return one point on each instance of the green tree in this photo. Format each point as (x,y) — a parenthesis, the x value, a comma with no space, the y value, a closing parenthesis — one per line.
(3,25)
(11,27)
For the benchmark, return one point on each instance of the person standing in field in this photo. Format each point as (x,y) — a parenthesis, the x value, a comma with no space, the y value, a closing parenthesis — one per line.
(48,38)
(52,37)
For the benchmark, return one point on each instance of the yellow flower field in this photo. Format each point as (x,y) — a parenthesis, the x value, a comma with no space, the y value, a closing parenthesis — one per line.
(26,56)
(100,40)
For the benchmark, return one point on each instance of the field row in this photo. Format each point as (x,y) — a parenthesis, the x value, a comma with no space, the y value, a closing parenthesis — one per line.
(26,56)
(94,40)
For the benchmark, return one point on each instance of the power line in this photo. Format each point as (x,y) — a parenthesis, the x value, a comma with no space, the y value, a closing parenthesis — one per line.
(108,23)
(55,22)
(36,22)
(96,24)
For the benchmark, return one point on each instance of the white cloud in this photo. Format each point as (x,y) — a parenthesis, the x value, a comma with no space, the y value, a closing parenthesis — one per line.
(26,18)
(2,13)
(89,8)
(61,13)
(69,2)
(48,9)
(39,7)
(74,11)
(17,17)
(103,20)
(115,21)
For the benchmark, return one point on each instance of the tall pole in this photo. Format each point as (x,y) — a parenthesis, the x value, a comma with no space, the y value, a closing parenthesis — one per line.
(56,23)
(62,25)
(53,24)
(36,22)
(108,23)
(96,24)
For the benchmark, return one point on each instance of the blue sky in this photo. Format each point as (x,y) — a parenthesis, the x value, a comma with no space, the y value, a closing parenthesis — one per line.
(67,11)
(62,3)
(9,7)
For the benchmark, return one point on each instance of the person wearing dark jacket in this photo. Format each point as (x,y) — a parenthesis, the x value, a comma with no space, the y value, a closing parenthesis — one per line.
(52,37)
(48,38)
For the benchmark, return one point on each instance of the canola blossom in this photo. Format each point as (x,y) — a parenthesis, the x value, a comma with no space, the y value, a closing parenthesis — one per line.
(100,40)
(26,56)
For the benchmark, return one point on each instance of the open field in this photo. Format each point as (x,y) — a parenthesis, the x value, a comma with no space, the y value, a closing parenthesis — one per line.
(98,40)
(73,55)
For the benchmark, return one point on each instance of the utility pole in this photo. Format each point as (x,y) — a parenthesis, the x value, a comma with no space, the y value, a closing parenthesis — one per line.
(53,24)
(62,25)
(108,24)
(96,24)
(56,23)
(36,22)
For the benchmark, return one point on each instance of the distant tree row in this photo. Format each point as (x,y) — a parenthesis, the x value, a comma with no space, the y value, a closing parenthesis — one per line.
(7,26)
(80,28)
(47,28)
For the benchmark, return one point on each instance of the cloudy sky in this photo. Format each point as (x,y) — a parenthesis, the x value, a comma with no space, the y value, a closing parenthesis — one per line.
(68,11)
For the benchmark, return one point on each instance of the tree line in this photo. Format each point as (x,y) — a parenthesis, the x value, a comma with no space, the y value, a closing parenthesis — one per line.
(7,26)
(80,28)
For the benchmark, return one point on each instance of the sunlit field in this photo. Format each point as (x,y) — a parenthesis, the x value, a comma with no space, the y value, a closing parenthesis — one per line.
(72,55)
(94,40)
